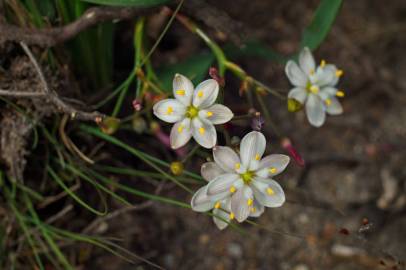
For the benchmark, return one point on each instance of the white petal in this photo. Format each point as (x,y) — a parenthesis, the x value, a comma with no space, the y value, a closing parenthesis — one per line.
(183,89)
(222,183)
(325,76)
(205,94)
(299,94)
(169,110)
(257,209)
(315,110)
(226,158)
(221,218)
(268,192)
(251,149)
(241,203)
(216,114)
(330,91)
(204,133)
(334,108)
(200,201)
(295,75)
(306,61)
(210,170)
(272,165)
(180,133)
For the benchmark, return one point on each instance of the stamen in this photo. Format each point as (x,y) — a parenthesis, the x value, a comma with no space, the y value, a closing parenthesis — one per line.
(232,189)
(339,73)
(312,72)
(202,130)
(180,92)
(322,63)
(200,93)
(217,205)
(272,170)
(180,128)
(250,202)
(257,157)
(328,102)
(314,89)
(169,110)
(340,93)
(232,216)
(209,114)
(237,166)
(253,209)
(270,191)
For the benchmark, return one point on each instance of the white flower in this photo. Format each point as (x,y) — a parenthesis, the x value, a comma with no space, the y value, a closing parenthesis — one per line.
(244,182)
(315,87)
(193,111)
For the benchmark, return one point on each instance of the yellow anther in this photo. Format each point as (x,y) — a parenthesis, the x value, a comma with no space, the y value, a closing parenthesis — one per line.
(328,102)
(340,93)
(272,170)
(322,63)
(202,130)
(209,114)
(217,205)
(312,72)
(180,92)
(169,110)
(270,191)
(253,209)
(232,189)
(237,166)
(314,89)
(339,73)
(200,93)
(257,157)
(250,202)
(180,128)
(232,216)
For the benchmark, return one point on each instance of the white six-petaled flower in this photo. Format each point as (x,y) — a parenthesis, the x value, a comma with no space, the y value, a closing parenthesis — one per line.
(315,87)
(240,185)
(193,111)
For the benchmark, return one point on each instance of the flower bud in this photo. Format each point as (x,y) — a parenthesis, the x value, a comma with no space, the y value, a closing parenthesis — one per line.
(137,105)
(287,144)
(109,125)
(139,125)
(294,105)
(176,168)
(214,74)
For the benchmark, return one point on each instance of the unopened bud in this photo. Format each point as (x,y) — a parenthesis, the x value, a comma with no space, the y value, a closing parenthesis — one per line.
(154,126)
(257,123)
(137,105)
(214,74)
(294,105)
(139,124)
(287,145)
(176,168)
(109,125)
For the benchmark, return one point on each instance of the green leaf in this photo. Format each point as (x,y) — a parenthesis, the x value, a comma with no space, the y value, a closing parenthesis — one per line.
(320,26)
(195,68)
(133,3)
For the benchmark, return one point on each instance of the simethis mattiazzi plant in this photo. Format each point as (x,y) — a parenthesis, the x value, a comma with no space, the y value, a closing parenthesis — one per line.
(236,180)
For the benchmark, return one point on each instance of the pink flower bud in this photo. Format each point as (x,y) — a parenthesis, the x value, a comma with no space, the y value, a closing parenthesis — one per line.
(137,105)
(287,144)
(214,74)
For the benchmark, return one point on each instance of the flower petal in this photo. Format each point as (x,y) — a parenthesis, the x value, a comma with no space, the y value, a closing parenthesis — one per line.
(251,149)
(204,133)
(295,75)
(299,94)
(182,89)
(306,61)
(205,94)
(216,114)
(241,203)
(325,76)
(268,192)
(210,170)
(315,110)
(222,184)
(334,107)
(180,133)
(221,218)
(257,209)
(226,158)
(330,91)
(200,201)
(272,165)
(169,110)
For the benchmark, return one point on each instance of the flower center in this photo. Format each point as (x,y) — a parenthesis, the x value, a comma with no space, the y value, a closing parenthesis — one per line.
(247,177)
(312,88)
(192,112)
